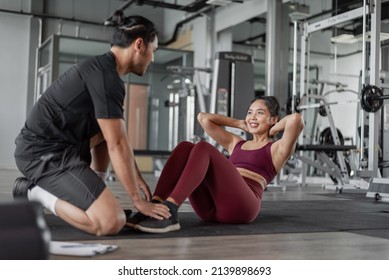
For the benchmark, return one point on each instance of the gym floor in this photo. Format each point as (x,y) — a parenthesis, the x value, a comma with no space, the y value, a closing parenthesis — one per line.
(336,245)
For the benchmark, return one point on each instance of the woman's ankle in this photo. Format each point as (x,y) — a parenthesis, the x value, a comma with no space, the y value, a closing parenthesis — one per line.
(172,207)
(172,200)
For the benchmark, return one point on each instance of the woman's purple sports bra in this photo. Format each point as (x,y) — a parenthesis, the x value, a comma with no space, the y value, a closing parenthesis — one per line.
(258,160)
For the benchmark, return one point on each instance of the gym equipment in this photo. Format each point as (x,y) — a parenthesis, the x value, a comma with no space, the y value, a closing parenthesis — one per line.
(330,150)
(327,164)
(24,234)
(371,16)
(326,138)
(379,187)
(372,98)
(319,105)
(193,96)
(233,86)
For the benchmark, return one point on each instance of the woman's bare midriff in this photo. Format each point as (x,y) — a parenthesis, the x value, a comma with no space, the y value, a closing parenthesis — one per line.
(253,176)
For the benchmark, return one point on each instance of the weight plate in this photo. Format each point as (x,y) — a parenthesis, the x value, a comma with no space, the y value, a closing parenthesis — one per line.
(325,138)
(369,99)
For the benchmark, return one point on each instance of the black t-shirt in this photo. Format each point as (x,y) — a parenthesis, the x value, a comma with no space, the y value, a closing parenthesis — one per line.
(66,114)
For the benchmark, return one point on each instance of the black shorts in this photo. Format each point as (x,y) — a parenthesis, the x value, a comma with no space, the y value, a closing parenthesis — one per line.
(66,175)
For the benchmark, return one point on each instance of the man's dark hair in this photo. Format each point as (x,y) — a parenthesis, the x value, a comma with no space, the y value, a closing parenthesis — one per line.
(130,28)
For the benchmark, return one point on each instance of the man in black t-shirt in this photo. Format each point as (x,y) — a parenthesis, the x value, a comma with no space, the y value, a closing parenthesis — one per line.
(77,126)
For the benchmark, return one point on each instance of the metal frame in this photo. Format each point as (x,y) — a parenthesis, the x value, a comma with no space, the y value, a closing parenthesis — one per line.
(374,80)
(308,28)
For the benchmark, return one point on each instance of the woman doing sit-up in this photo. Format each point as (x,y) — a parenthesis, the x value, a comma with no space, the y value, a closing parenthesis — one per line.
(221,189)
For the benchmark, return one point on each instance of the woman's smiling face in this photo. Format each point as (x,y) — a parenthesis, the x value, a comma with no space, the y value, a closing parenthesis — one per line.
(258,118)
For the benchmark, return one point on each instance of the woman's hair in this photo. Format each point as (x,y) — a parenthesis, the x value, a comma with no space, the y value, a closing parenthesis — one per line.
(128,29)
(271,103)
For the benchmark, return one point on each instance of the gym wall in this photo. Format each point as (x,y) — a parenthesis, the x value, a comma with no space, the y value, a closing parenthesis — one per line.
(14,52)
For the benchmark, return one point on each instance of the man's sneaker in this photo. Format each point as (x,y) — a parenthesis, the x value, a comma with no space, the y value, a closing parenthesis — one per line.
(21,187)
(152,225)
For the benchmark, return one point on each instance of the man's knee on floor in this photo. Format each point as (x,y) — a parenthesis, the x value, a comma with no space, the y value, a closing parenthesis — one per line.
(110,226)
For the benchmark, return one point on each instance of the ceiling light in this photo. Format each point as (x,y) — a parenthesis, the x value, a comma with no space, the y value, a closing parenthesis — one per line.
(351,39)
(344,39)
(383,36)
(222,2)
(298,11)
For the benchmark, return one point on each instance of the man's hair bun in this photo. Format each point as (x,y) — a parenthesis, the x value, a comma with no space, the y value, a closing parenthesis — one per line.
(118,18)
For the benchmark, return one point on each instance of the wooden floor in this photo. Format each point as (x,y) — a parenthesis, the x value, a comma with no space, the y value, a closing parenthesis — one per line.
(298,246)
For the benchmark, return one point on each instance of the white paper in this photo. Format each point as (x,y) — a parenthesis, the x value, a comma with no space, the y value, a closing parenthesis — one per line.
(80,249)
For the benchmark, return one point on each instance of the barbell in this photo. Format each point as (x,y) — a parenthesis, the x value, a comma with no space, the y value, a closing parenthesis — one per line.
(372,100)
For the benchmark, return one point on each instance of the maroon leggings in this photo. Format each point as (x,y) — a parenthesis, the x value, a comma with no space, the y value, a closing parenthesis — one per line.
(216,190)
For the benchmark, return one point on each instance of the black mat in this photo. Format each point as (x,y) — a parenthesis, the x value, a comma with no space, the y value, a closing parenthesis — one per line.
(354,213)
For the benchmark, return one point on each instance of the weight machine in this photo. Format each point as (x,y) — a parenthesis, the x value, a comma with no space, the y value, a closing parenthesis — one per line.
(185,106)
(233,78)
(372,9)
(232,88)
